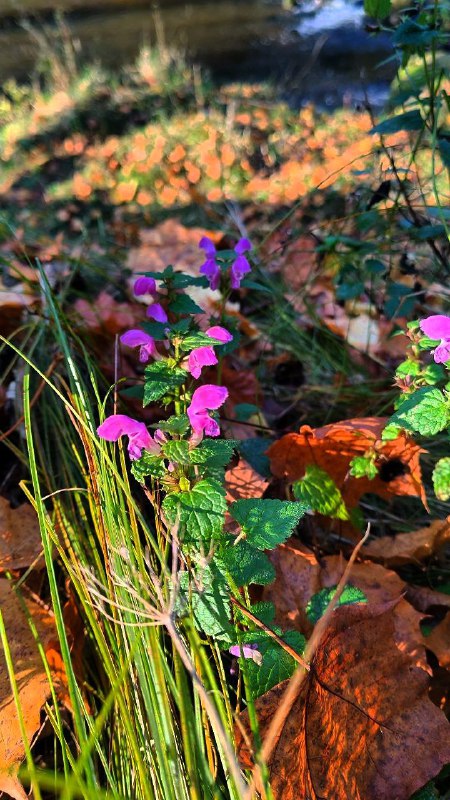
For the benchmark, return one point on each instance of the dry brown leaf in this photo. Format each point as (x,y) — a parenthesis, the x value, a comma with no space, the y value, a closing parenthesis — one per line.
(439,641)
(31,680)
(362,726)
(334,446)
(423,598)
(409,547)
(20,538)
(299,575)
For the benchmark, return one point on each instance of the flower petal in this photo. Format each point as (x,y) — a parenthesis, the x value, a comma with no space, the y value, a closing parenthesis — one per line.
(436,327)
(208,246)
(144,285)
(208,397)
(242,246)
(442,353)
(118,425)
(156,312)
(219,333)
(199,358)
(136,338)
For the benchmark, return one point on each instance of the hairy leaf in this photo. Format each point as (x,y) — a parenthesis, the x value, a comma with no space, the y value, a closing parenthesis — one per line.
(267,523)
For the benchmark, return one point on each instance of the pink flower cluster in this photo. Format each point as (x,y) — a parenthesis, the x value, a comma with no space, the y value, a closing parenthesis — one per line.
(239,268)
(205,398)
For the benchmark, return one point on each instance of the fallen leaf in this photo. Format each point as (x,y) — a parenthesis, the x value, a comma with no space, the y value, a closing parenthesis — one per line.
(405,548)
(362,726)
(243,481)
(439,641)
(334,446)
(423,598)
(31,678)
(299,575)
(20,538)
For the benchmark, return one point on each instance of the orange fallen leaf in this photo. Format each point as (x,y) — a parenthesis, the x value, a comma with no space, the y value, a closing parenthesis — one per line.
(20,538)
(243,482)
(362,725)
(31,678)
(299,575)
(405,548)
(334,446)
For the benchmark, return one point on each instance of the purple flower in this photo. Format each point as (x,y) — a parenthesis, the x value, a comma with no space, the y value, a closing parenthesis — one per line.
(144,285)
(210,268)
(146,343)
(246,651)
(200,357)
(139,439)
(240,267)
(438,327)
(219,333)
(156,312)
(205,398)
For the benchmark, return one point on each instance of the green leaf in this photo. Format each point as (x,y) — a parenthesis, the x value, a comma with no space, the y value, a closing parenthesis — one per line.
(194,340)
(244,564)
(433,373)
(183,304)
(177,450)
(155,329)
(215,453)
(379,9)
(318,491)
(391,432)
(148,464)
(441,479)
(201,511)
(409,121)
(425,412)
(160,379)
(406,368)
(277,664)
(264,611)
(175,425)
(267,523)
(362,467)
(318,603)
(206,599)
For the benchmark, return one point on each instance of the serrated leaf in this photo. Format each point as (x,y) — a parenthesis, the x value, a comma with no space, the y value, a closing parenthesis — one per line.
(409,121)
(175,425)
(177,450)
(201,510)
(264,611)
(441,479)
(362,467)
(379,9)
(183,304)
(277,664)
(244,564)
(318,603)
(319,492)
(408,367)
(267,523)
(214,453)
(194,340)
(160,379)
(425,412)
(148,464)
(207,601)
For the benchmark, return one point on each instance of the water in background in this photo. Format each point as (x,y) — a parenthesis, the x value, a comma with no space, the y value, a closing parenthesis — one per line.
(318,50)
